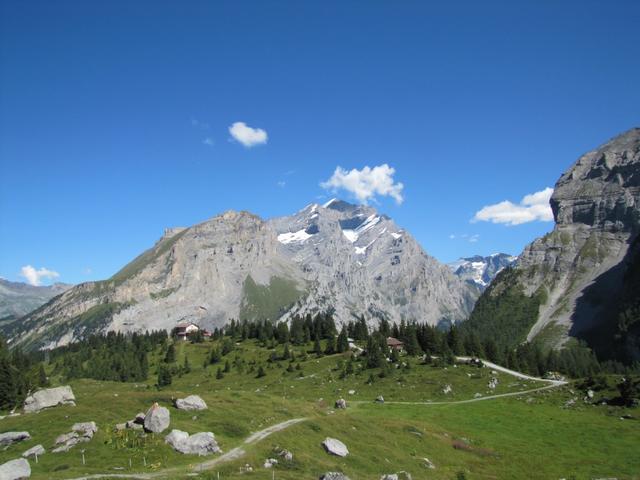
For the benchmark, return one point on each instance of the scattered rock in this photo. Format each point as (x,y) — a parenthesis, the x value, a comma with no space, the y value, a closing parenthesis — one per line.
(49,397)
(80,432)
(33,451)
(15,470)
(333,476)
(246,468)
(192,402)
(447,389)
(380,399)
(477,395)
(9,438)
(157,419)
(341,403)
(590,394)
(270,462)
(396,476)
(493,383)
(352,392)
(140,418)
(133,425)
(428,463)
(335,447)
(121,426)
(286,454)
(570,403)
(203,443)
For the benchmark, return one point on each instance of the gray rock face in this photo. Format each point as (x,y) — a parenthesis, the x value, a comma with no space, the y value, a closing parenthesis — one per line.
(203,443)
(192,402)
(49,397)
(157,419)
(9,438)
(579,267)
(15,470)
(335,447)
(340,256)
(34,451)
(333,476)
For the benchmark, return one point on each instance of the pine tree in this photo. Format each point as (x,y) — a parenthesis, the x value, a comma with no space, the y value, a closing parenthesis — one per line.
(317,348)
(227,367)
(219,374)
(170,357)
(187,366)
(164,376)
(342,344)
(261,373)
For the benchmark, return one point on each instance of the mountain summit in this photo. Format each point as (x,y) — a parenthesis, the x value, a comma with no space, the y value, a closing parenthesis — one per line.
(338,256)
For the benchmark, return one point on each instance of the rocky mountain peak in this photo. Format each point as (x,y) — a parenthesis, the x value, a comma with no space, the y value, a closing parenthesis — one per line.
(602,188)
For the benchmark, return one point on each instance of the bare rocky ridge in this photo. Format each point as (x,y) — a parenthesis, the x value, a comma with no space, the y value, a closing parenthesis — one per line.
(236,265)
(480,271)
(578,268)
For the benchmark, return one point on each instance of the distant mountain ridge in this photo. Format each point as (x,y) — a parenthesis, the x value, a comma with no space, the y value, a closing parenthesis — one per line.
(341,257)
(479,270)
(18,298)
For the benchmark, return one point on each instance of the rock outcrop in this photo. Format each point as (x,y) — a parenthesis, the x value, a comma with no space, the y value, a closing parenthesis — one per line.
(8,438)
(203,443)
(576,275)
(192,402)
(49,397)
(335,447)
(80,432)
(15,470)
(333,476)
(338,256)
(157,419)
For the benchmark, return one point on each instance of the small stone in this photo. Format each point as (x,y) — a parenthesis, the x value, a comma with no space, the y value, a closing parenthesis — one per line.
(380,399)
(270,462)
(341,403)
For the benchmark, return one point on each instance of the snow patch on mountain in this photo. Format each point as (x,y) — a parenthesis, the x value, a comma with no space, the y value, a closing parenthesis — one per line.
(294,237)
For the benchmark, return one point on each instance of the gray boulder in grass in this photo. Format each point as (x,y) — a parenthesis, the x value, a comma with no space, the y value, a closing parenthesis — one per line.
(192,402)
(335,447)
(49,397)
(157,419)
(33,451)
(15,470)
(203,443)
(333,476)
(8,438)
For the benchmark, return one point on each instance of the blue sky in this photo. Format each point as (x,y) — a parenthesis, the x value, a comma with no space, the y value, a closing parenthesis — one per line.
(115,116)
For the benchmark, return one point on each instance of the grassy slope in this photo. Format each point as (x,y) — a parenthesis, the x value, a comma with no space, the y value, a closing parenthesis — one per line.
(508,438)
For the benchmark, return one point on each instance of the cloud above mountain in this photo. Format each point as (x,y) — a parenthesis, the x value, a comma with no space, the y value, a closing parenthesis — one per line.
(248,136)
(532,207)
(34,277)
(367,183)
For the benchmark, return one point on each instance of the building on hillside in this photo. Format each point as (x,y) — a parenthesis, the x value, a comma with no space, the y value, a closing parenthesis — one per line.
(184,329)
(395,344)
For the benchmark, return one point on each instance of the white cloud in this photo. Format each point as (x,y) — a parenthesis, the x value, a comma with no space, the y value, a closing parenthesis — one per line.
(532,207)
(365,184)
(281,183)
(208,141)
(474,238)
(34,276)
(247,136)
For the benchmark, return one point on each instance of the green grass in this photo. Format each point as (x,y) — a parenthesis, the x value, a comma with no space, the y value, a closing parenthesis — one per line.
(268,301)
(528,436)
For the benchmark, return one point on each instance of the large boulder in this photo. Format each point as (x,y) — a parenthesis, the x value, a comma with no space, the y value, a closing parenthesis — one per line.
(34,451)
(335,447)
(333,476)
(15,470)
(9,438)
(203,443)
(157,419)
(192,402)
(49,397)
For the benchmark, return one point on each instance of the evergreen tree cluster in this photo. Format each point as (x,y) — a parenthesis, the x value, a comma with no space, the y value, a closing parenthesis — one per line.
(115,356)
(19,374)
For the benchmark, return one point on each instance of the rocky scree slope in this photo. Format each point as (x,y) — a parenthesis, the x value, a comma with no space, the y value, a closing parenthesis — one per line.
(236,265)
(579,274)
(18,299)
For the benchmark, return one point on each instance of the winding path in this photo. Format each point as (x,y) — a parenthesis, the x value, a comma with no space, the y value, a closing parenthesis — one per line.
(233,454)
